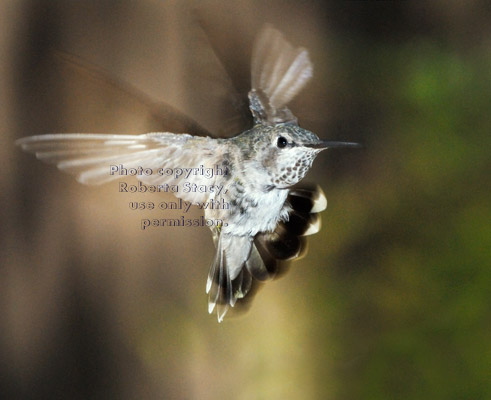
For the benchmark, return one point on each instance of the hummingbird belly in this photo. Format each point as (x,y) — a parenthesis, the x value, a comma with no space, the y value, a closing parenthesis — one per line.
(250,214)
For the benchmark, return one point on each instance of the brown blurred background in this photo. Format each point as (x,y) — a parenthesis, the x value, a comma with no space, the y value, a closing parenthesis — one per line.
(392,300)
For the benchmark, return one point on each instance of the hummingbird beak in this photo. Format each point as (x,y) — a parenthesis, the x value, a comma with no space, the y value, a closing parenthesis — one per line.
(327,145)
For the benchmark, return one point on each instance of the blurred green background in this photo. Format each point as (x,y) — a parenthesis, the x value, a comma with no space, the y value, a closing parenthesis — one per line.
(393,298)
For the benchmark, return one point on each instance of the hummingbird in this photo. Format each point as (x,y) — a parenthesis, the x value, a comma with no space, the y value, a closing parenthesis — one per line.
(268,214)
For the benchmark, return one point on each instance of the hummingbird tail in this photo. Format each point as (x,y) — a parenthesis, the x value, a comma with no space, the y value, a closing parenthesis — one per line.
(239,258)
(227,279)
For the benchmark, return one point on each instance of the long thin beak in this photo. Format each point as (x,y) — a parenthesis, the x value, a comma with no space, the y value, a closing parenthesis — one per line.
(327,145)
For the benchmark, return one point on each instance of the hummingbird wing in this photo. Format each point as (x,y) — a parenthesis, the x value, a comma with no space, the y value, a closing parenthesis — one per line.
(231,57)
(279,71)
(90,156)
(288,241)
(159,115)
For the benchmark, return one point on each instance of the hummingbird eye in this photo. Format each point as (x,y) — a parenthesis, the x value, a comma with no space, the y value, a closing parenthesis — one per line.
(282,142)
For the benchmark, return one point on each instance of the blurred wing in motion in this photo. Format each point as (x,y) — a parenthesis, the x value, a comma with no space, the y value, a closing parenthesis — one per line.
(278,73)
(90,156)
(235,77)
(160,115)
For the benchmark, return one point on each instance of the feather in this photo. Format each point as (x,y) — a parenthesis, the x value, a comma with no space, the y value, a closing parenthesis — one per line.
(227,279)
(163,116)
(90,156)
(278,73)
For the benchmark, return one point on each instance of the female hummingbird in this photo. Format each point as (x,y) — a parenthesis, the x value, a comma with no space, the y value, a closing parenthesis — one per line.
(265,219)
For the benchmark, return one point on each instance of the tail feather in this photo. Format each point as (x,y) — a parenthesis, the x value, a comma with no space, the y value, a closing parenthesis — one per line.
(259,263)
(219,285)
(227,279)
(241,285)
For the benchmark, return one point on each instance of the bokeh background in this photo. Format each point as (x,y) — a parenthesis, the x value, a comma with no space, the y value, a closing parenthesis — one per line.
(393,298)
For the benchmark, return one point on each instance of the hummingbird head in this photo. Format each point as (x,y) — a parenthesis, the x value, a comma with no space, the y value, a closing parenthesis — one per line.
(286,152)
